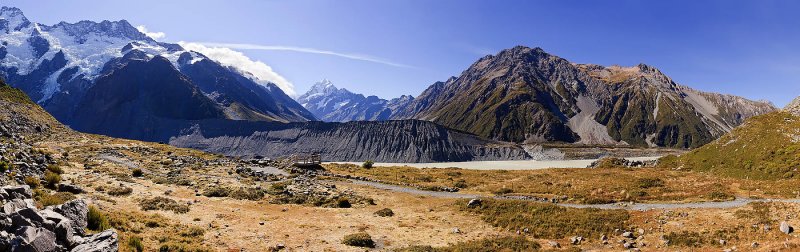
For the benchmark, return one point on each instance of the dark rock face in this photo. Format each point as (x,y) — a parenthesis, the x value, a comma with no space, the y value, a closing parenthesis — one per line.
(526,95)
(128,104)
(384,141)
(331,104)
(243,98)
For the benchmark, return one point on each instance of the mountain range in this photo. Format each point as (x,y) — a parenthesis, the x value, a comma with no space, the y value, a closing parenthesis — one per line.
(332,104)
(526,95)
(109,78)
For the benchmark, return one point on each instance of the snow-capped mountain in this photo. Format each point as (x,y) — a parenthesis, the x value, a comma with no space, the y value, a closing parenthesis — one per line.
(58,65)
(332,104)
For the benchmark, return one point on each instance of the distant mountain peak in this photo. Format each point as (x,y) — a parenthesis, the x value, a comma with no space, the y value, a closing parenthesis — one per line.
(12,18)
(794,107)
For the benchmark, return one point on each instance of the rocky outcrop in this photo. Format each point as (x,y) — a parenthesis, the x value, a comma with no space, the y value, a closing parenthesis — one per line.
(56,228)
(527,95)
(794,107)
(384,141)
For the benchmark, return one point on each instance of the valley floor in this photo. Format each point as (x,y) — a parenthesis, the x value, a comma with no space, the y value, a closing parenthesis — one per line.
(175,204)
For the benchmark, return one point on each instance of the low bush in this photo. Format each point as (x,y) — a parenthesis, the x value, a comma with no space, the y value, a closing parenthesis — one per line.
(247,194)
(163,203)
(119,191)
(137,173)
(32,181)
(217,192)
(96,220)
(362,239)
(55,169)
(44,198)
(368,164)
(51,179)
(504,190)
(386,212)
(4,166)
(135,244)
(645,183)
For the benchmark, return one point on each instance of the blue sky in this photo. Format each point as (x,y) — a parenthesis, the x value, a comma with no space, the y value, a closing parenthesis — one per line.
(389,48)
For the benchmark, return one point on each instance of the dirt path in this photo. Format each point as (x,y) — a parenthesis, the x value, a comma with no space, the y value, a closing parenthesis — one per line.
(738,202)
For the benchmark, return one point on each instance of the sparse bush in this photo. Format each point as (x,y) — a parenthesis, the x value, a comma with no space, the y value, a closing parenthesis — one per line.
(645,183)
(96,220)
(460,184)
(277,188)
(247,194)
(137,173)
(119,191)
(46,199)
(193,231)
(4,166)
(511,243)
(685,238)
(51,179)
(135,243)
(163,203)
(362,239)
(217,192)
(386,212)
(343,202)
(55,169)
(503,190)
(32,181)
(368,164)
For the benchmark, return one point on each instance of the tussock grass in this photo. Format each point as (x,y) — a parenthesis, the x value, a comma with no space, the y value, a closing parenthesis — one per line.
(549,221)
(578,185)
(510,243)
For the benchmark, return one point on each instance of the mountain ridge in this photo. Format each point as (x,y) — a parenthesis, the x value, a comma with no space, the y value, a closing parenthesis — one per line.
(332,104)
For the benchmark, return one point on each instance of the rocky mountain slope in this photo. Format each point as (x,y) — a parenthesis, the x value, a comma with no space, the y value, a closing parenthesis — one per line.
(381,141)
(527,95)
(331,104)
(764,147)
(794,107)
(71,68)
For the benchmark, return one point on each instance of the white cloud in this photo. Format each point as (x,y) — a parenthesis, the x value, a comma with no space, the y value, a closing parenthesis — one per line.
(227,57)
(352,56)
(153,35)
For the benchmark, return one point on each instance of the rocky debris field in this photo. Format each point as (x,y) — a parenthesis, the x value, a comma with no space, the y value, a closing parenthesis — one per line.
(54,228)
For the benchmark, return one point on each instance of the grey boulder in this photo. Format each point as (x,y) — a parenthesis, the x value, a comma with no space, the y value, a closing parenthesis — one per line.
(75,211)
(33,239)
(106,241)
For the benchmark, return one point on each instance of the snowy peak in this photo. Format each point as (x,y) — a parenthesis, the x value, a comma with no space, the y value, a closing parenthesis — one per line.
(82,30)
(12,19)
(329,103)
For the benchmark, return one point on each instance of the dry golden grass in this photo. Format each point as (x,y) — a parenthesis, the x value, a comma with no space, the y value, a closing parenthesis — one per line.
(578,185)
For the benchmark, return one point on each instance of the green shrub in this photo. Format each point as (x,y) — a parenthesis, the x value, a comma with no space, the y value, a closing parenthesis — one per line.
(51,179)
(55,169)
(4,166)
(96,220)
(137,173)
(386,212)
(368,164)
(135,243)
(32,181)
(359,240)
(685,239)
